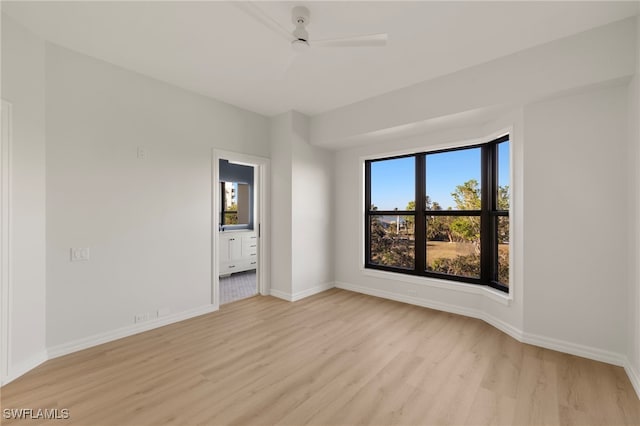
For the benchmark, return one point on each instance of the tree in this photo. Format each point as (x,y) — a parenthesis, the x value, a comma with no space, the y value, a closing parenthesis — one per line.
(503,197)
(410,220)
(503,222)
(411,206)
(388,246)
(467,195)
(467,228)
(393,243)
(438,226)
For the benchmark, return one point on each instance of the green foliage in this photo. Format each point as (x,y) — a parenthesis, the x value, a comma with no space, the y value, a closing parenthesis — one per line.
(467,195)
(231,218)
(466,266)
(467,228)
(411,205)
(503,197)
(231,215)
(439,228)
(393,248)
(503,267)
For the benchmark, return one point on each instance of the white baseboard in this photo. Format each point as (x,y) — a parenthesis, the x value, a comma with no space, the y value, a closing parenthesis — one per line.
(98,339)
(634,377)
(505,327)
(537,340)
(577,349)
(302,294)
(407,299)
(311,291)
(446,307)
(23,367)
(281,295)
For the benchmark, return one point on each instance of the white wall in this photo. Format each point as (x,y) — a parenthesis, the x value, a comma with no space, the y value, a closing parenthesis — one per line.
(302,244)
(281,208)
(576,179)
(147,222)
(569,289)
(633,339)
(23,86)
(312,208)
(569,98)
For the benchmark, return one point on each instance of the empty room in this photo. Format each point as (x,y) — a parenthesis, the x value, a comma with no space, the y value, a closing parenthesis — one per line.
(324,213)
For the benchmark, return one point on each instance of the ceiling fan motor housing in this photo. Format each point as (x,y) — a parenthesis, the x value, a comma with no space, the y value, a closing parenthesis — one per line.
(300,16)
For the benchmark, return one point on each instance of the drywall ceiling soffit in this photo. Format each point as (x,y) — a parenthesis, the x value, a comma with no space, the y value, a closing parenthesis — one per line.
(592,57)
(215,49)
(471,118)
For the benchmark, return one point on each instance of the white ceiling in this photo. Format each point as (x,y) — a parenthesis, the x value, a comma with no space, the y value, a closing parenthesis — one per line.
(216,49)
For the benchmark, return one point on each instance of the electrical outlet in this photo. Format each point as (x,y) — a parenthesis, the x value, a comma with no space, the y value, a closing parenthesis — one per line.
(142,153)
(80,254)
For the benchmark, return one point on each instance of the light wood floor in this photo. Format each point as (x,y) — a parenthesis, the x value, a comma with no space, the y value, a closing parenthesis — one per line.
(334,358)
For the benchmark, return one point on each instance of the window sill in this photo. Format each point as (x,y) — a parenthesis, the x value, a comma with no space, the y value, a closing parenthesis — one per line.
(495,295)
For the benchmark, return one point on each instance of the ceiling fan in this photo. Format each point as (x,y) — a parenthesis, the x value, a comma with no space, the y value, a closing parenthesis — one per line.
(299,37)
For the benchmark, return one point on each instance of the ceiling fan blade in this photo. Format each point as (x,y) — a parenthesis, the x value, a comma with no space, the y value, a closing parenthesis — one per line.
(288,66)
(253,10)
(371,40)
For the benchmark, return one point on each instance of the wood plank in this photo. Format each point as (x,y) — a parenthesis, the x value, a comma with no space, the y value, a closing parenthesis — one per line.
(334,358)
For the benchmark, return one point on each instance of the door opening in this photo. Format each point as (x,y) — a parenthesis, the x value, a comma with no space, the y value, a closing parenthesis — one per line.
(239,212)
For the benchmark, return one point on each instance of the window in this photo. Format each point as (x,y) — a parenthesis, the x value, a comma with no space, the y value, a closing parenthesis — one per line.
(229,194)
(459,227)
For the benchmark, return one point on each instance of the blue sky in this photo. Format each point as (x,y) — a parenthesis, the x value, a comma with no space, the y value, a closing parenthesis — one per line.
(392,180)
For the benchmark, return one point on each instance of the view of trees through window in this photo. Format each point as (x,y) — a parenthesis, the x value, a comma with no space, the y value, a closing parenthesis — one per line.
(229,192)
(455,206)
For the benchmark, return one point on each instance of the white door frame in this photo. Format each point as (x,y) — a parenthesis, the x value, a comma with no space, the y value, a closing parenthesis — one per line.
(5,239)
(260,213)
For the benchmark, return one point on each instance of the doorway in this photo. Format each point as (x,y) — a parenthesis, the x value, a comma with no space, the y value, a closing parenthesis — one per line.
(240,258)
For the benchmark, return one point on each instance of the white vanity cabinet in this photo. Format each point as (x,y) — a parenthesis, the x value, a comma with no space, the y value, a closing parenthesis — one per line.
(238,251)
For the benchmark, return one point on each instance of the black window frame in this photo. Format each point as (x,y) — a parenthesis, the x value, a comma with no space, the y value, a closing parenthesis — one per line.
(488,214)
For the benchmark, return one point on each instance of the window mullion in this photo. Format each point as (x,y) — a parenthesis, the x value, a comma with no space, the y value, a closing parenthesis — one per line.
(420,218)
(487,201)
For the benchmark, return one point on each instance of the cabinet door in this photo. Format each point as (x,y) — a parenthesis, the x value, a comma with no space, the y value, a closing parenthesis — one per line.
(224,249)
(235,246)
